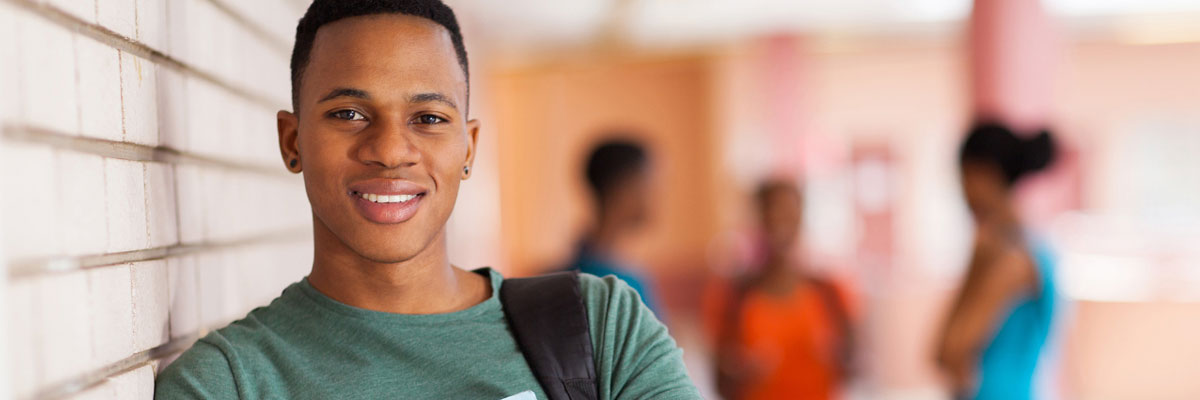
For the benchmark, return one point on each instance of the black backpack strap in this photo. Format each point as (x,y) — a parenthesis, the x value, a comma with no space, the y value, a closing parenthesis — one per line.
(549,321)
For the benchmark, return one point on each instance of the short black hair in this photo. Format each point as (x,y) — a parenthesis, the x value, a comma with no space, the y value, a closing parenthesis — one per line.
(773,186)
(322,12)
(994,144)
(612,162)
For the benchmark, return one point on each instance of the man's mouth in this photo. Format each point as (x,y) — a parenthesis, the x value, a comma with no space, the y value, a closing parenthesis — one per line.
(387,201)
(386,198)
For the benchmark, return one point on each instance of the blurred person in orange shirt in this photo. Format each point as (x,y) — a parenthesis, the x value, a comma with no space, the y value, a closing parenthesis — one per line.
(782,332)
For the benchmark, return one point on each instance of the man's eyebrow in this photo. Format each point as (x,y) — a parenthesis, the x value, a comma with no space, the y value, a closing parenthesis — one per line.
(428,97)
(348,92)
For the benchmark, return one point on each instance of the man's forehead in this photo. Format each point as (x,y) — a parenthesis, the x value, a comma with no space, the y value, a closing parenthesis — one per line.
(388,48)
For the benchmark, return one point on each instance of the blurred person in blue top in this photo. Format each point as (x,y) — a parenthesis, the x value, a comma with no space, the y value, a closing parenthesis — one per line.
(997,328)
(618,176)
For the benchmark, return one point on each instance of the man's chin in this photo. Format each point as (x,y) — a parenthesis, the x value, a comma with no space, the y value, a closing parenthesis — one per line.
(391,256)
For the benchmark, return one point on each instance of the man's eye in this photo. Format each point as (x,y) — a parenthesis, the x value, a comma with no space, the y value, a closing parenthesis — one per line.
(430,119)
(349,115)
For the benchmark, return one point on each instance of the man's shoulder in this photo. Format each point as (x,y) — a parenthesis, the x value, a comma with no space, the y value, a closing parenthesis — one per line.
(238,335)
(604,289)
(613,288)
(205,370)
(210,367)
(241,337)
(242,333)
(611,302)
(634,353)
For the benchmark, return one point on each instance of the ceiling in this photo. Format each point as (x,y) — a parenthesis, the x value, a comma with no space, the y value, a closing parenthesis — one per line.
(521,23)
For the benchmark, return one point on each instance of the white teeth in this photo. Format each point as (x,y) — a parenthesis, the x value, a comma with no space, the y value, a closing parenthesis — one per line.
(383,198)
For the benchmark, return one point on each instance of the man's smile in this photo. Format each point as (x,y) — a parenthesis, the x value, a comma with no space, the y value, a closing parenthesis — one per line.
(387,201)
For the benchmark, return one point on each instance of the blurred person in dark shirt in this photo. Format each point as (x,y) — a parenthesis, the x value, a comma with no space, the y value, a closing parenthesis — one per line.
(618,178)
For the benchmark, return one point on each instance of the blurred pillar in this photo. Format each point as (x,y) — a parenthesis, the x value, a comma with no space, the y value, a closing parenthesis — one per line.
(874,195)
(1013,52)
(781,82)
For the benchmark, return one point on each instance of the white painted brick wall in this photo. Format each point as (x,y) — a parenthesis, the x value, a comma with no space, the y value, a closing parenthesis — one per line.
(48,75)
(191,197)
(110,299)
(151,304)
(9,77)
(184,308)
(217,298)
(161,217)
(118,15)
(24,360)
(277,17)
(146,188)
(172,108)
(152,28)
(208,123)
(99,89)
(30,232)
(126,198)
(205,36)
(140,108)
(84,228)
(63,327)
(133,385)
(82,9)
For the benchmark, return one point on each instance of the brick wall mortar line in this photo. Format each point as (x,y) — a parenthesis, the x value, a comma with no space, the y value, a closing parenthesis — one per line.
(30,268)
(132,46)
(128,151)
(278,45)
(96,377)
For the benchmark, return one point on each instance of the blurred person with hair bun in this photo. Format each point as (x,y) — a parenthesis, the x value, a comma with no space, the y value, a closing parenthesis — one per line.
(997,327)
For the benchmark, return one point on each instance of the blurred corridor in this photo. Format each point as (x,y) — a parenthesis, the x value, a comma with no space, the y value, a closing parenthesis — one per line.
(864,103)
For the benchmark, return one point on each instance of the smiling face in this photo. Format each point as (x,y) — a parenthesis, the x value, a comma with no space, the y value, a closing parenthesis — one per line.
(381,134)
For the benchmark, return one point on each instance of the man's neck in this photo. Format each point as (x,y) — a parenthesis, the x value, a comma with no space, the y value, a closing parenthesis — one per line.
(424,284)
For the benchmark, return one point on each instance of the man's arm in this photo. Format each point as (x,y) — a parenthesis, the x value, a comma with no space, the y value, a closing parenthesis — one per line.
(635,356)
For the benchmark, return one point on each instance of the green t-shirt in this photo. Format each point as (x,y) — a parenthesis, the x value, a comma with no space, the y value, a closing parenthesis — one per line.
(307,345)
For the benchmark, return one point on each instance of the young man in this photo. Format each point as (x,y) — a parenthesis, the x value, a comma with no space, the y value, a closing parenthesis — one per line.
(380,130)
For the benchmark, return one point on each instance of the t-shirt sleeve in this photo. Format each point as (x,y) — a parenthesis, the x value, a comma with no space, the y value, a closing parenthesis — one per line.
(202,372)
(636,358)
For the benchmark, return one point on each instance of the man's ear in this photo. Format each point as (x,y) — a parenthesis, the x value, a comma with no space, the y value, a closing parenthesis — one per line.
(289,140)
(472,141)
